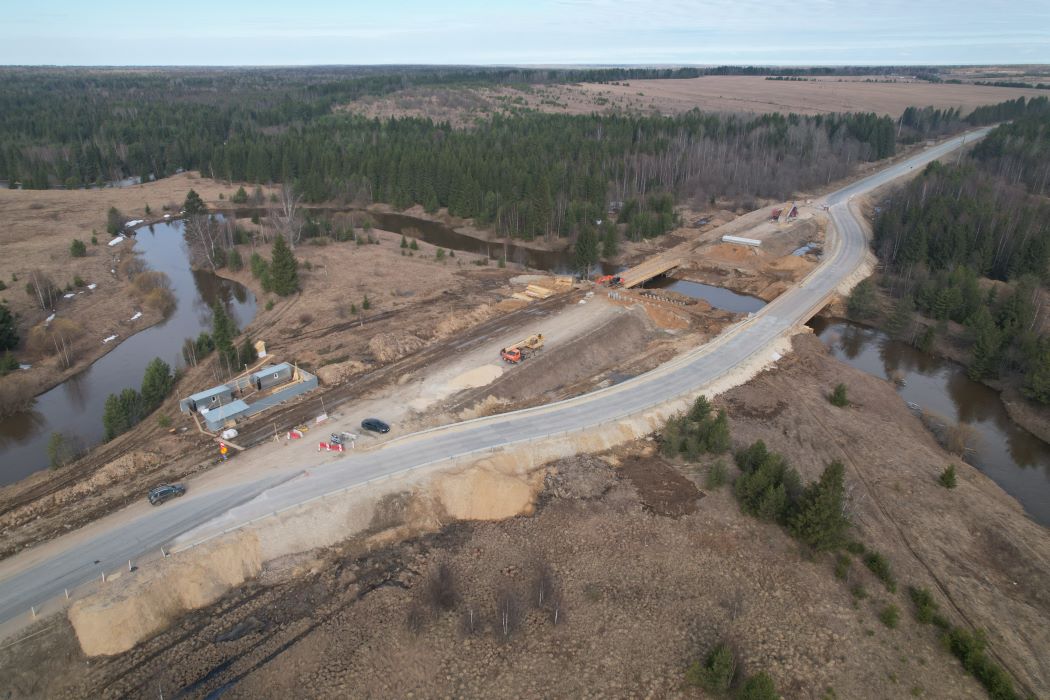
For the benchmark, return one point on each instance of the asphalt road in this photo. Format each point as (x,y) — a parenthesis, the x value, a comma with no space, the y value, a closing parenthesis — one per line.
(32,577)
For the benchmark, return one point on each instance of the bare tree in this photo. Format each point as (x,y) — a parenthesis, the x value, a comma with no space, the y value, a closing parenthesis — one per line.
(44,289)
(286,217)
(507,612)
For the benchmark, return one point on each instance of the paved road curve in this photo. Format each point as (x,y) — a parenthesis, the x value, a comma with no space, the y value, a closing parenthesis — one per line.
(33,577)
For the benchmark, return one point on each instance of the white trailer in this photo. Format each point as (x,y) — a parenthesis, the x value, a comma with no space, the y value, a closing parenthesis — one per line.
(741,241)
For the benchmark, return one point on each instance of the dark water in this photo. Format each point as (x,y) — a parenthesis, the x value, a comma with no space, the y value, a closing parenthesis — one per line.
(560,262)
(1011,456)
(75,406)
(716,296)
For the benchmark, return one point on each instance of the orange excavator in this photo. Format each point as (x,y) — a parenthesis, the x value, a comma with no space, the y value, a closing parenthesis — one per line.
(522,350)
(609,280)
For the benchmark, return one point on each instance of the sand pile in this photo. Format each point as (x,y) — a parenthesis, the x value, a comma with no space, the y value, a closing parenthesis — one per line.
(457,322)
(339,372)
(387,347)
(730,253)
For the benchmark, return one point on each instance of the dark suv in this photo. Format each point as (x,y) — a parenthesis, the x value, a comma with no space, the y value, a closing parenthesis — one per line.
(165,492)
(375,425)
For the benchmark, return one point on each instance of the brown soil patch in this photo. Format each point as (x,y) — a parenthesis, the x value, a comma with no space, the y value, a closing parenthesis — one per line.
(661,488)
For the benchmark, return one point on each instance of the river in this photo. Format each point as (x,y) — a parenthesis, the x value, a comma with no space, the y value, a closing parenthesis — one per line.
(74,407)
(1008,454)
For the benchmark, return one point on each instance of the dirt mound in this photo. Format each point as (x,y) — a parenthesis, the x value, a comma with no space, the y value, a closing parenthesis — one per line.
(457,322)
(128,610)
(790,263)
(483,493)
(387,347)
(339,372)
(730,253)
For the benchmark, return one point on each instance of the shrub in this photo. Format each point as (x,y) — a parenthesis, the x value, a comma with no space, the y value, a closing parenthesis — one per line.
(258,265)
(881,568)
(366,304)
(842,564)
(440,254)
(716,673)
(240,196)
(502,262)
(925,605)
(414,245)
(61,450)
(78,281)
(164,420)
(768,489)
(758,687)
(8,329)
(77,248)
(890,616)
(696,432)
(94,239)
(947,478)
(861,302)
(838,396)
(404,241)
(234,261)
(269,304)
(717,475)
(970,650)
(114,221)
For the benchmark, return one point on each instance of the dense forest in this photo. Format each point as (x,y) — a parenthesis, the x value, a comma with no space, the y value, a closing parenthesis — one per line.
(526,175)
(956,224)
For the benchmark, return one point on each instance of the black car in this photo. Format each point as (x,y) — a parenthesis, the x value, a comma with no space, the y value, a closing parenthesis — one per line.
(165,492)
(375,425)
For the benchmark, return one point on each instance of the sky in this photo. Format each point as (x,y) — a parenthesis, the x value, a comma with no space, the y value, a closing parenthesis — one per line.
(502,32)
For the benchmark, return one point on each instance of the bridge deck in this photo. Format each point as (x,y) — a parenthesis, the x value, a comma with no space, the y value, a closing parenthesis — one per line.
(645,271)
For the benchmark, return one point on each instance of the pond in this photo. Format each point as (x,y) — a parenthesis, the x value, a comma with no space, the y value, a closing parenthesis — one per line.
(717,297)
(1011,456)
(74,407)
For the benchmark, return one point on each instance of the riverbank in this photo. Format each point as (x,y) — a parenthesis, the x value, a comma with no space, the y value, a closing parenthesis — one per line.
(39,227)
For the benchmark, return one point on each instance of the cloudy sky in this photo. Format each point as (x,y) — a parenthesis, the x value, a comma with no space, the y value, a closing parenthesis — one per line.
(264,32)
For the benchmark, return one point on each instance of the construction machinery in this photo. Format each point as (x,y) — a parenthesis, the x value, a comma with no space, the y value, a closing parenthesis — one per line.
(609,280)
(522,350)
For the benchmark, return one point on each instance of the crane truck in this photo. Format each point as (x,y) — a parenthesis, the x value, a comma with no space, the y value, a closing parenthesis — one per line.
(522,350)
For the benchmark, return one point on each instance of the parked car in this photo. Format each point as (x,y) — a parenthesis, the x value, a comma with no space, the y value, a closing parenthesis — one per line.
(165,492)
(375,425)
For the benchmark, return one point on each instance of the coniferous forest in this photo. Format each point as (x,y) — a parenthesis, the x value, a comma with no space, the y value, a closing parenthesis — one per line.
(983,217)
(528,174)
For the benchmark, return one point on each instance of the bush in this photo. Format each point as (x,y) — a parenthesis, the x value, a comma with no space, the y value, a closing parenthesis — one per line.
(8,329)
(925,605)
(114,221)
(77,248)
(164,420)
(269,304)
(890,616)
(838,396)
(234,261)
(696,432)
(61,450)
(842,564)
(947,478)
(717,475)
(970,650)
(881,568)
(768,489)
(366,304)
(861,302)
(78,281)
(414,245)
(404,241)
(240,196)
(758,687)
(716,673)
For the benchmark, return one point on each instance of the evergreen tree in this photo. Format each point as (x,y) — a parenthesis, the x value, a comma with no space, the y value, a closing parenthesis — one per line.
(819,520)
(586,251)
(987,344)
(222,334)
(861,302)
(8,329)
(194,205)
(157,383)
(77,248)
(247,355)
(1037,378)
(284,273)
(122,411)
(900,321)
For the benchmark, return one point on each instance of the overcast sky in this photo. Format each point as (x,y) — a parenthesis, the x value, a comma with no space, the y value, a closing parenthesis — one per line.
(298,32)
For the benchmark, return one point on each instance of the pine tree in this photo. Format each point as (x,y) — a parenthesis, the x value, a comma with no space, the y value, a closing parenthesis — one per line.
(986,346)
(819,520)
(223,330)
(194,205)
(157,383)
(284,273)
(586,251)
(8,329)
(899,323)
(1037,378)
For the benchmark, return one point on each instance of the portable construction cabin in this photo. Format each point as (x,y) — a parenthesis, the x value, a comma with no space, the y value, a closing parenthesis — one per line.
(208,399)
(217,417)
(271,376)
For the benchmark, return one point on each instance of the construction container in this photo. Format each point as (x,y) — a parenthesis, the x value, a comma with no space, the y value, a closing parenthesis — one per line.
(207,399)
(271,376)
